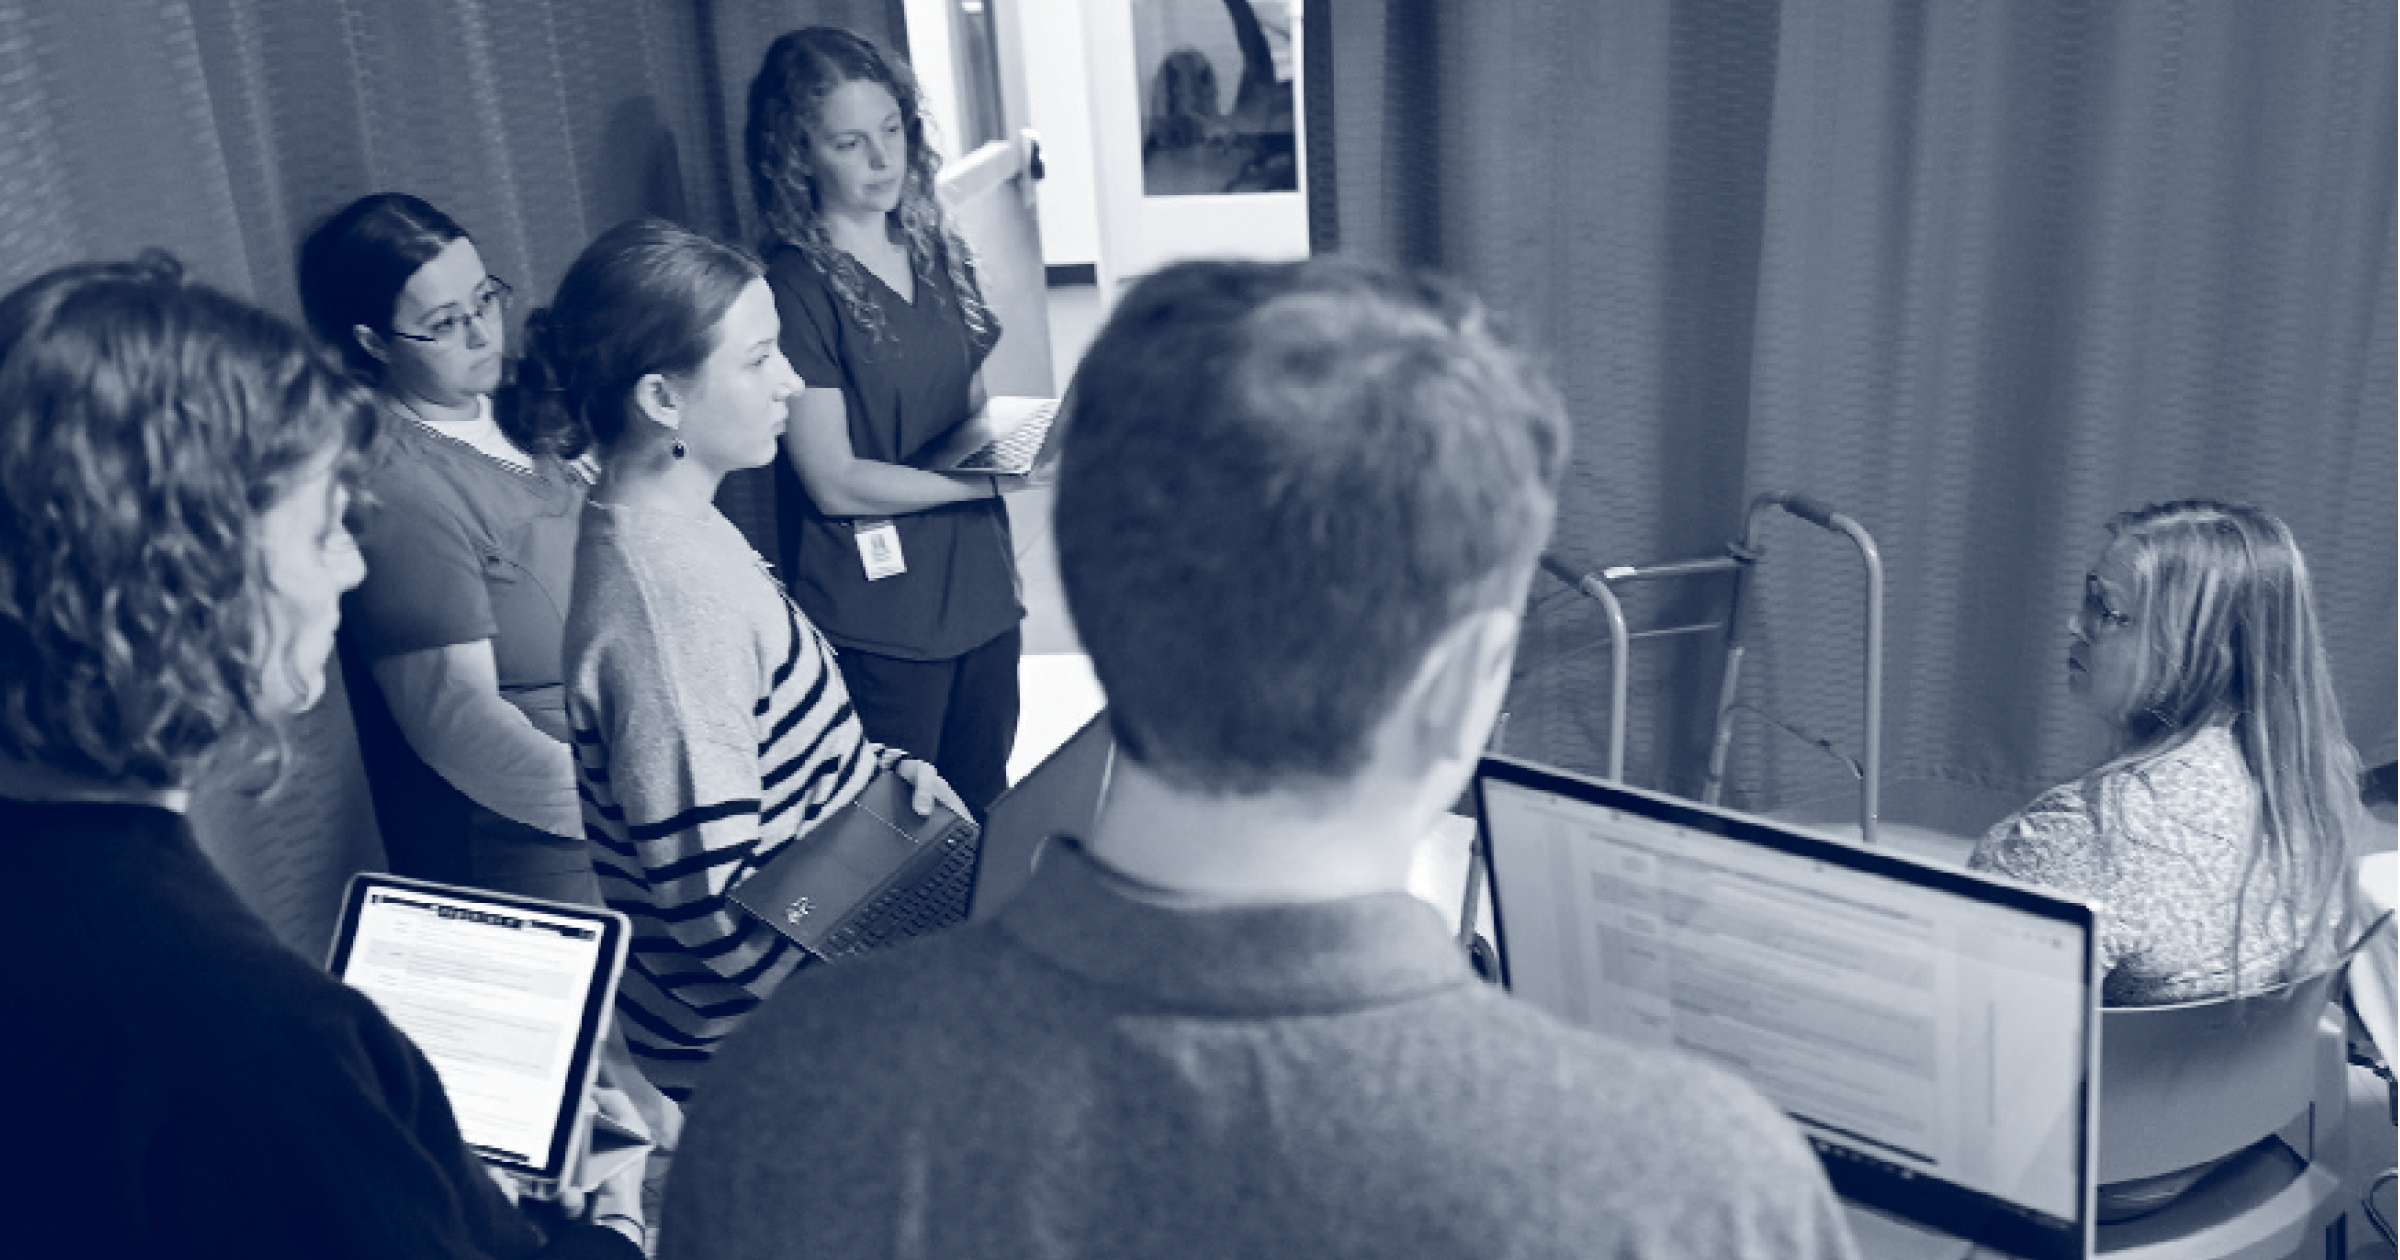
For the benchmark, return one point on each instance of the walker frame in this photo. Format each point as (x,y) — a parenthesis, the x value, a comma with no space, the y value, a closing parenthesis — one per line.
(1739,558)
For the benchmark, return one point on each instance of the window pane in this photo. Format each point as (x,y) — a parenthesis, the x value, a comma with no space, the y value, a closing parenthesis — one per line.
(976,52)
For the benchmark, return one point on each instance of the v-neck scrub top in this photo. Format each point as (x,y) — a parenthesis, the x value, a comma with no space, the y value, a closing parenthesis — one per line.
(462,547)
(902,391)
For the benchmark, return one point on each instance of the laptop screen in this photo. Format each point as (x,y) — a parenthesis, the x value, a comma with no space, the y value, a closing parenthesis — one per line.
(507,996)
(1931,1031)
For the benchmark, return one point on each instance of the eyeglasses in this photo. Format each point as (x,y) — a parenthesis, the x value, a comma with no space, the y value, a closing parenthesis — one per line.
(490,297)
(2095,605)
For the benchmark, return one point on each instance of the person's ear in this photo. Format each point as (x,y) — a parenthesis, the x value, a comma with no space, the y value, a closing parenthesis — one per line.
(657,400)
(372,342)
(1459,687)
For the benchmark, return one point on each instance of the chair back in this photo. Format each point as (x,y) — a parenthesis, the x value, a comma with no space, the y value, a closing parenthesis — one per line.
(2183,1084)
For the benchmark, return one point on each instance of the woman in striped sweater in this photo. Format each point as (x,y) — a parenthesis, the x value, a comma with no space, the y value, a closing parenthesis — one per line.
(711,727)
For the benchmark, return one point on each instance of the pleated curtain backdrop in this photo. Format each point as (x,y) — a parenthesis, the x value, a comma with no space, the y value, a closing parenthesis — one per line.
(1978,275)
(222,130)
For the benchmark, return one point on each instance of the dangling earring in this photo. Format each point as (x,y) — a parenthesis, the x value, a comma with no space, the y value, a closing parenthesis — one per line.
(677,448)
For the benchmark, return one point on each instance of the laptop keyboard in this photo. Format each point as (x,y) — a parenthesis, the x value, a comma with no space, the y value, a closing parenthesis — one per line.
(1013,451)
(935,902)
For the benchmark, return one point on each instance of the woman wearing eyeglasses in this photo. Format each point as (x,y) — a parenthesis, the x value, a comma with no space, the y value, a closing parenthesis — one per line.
(470,556)
(2215,839)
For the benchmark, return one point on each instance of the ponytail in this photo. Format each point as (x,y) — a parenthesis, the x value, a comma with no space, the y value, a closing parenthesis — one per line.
(534,408)
(645,297)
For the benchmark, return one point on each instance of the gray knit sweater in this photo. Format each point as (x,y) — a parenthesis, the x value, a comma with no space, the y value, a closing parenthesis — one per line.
(1095,1075)
(711,727)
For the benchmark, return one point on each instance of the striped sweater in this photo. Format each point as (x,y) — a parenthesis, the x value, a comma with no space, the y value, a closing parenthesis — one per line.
(711,727)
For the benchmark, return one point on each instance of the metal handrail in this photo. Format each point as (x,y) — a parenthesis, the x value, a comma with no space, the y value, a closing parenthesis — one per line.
(1823,517)
(1591,584)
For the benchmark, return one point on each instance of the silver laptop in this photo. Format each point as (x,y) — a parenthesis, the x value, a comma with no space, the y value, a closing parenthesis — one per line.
(1010,437)
(1932,1032)
(510,999)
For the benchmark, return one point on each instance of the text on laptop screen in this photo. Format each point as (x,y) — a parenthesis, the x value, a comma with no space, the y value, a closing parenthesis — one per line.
(1931,1033)
(494,996)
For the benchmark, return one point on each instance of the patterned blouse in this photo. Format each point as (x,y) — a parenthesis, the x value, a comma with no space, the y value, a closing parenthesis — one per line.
(2159,848)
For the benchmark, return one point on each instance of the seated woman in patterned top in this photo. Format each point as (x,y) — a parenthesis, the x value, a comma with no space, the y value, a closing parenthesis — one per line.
(711,727)
(2215,840)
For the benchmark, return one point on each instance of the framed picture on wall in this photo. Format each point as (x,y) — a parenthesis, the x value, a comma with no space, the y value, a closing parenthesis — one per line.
(1215,83)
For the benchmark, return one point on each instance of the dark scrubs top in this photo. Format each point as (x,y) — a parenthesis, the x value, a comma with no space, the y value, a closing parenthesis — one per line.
(902,391)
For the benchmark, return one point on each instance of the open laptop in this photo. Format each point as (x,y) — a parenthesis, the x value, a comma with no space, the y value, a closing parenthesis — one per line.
(510,998)
(1932,1032)
(1011,436)
(1061,795)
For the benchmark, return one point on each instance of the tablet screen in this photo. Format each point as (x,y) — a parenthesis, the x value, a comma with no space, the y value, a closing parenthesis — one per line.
(504,995)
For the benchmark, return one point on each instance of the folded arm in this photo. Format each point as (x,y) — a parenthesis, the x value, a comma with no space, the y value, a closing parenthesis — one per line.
(817,442)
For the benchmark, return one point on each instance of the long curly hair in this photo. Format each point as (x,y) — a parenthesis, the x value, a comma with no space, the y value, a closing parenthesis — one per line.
(786,99)
(145,423)
(2222,599)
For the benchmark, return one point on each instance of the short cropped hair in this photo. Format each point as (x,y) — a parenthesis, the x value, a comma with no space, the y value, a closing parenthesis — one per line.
(145,422)
(1279,484)
(645,297)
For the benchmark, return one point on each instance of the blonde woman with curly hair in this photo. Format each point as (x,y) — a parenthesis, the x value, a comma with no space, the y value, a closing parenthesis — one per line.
(910,573)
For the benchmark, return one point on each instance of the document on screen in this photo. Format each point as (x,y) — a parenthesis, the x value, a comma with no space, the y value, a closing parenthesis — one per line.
(1905,1021)
(494,998)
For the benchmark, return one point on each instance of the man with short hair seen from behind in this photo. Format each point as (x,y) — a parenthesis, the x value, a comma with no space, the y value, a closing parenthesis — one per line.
(1298,509)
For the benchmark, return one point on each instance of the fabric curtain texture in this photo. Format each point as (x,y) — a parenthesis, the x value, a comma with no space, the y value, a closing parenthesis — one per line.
(222,130)
(1977,275)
